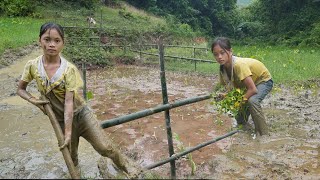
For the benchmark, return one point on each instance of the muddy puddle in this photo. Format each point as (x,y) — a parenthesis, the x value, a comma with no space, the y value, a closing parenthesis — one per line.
(29,148)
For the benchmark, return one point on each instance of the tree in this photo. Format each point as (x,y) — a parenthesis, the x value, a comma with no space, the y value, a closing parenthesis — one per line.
(286,19)
(214,17)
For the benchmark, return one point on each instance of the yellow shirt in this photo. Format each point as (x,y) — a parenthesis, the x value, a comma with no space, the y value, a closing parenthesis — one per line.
(67,78)
(245,67)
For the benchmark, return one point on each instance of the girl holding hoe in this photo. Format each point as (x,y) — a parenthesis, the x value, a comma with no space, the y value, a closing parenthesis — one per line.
(248,73)
(60,82)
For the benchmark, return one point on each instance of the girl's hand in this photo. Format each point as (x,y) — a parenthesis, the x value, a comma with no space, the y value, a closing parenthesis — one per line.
(39,103)
(67,142)
(36,101)
(244,100)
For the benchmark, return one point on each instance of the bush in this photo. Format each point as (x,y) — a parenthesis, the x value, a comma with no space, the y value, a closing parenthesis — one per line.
(91,55)
(17,7)
(123,59)
(89,4)
(111,3)
(313,39)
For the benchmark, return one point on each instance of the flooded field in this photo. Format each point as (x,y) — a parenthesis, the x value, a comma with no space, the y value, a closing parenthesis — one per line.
(29,147)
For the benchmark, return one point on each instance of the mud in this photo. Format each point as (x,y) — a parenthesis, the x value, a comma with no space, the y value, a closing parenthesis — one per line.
(9,56)
(29,148)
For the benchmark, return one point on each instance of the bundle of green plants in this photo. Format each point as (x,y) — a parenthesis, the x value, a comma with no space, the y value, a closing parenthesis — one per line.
(231,103)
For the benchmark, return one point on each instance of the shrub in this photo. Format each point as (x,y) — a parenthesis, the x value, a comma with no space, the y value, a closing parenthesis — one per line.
(91,55)
(313,39)
(17,7)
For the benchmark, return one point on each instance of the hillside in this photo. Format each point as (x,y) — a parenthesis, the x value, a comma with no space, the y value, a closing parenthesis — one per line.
(18,32)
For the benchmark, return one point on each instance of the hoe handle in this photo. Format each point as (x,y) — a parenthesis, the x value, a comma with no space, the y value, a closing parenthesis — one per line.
(65,151)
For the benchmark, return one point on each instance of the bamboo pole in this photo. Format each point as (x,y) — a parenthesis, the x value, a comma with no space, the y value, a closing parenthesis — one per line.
(166,112)
(147,112)
(84,77)
(178,155)
(176,57)
(65,151)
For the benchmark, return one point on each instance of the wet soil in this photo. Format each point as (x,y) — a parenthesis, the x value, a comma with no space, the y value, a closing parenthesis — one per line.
(29,148)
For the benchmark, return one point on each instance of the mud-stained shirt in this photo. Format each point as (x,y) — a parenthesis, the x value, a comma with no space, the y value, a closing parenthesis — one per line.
(245,67)
(66,78)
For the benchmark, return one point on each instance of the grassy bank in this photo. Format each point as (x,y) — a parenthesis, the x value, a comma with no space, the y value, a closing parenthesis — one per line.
(18,32)
(287,65)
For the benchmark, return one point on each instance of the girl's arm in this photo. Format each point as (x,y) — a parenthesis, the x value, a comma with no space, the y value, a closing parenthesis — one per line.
(251,87)
(22,90)
(68,118)
(23,93)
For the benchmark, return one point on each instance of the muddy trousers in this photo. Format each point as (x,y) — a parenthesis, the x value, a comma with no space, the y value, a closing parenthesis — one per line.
(255,109)
(87,126)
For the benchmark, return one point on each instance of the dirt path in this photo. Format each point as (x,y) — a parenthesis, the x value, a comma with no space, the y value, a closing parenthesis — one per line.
(29,148)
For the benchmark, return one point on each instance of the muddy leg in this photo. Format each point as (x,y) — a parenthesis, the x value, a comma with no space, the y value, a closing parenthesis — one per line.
(258,117)
(95,135)
(256,109)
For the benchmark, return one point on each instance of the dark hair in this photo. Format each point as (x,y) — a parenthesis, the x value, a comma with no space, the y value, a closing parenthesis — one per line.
(223,42)
(50,25)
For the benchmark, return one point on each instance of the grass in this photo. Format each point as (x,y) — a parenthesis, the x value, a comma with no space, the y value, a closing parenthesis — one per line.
(188,66)
(126,18)
(18,32)
(287,65)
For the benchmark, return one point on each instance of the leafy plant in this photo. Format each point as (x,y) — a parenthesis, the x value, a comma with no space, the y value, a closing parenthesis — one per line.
(232,102)
(17,7)
(90,95)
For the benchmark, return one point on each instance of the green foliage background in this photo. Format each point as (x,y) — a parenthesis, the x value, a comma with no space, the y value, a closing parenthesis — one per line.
(287,22)
(287,46)
(290,22)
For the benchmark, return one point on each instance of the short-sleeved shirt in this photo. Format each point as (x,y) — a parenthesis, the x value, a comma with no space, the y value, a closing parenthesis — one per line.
(245,67)
(66,78)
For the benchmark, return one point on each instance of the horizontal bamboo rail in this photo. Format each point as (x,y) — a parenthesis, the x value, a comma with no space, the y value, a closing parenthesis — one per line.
(150,111)
(193,47)
(178,155)
(177,57)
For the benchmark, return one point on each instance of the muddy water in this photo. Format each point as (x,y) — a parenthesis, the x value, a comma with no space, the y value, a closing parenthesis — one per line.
(127,89)
(29,148)
(291,150)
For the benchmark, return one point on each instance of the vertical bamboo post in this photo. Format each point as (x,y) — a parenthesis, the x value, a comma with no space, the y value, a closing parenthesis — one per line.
(100,34)
(84,76)
(65,151)
(101,19)
(55,17)
(125,42)
(194,52)
(165,101)
(194,56)
(89,38)
(140,46)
